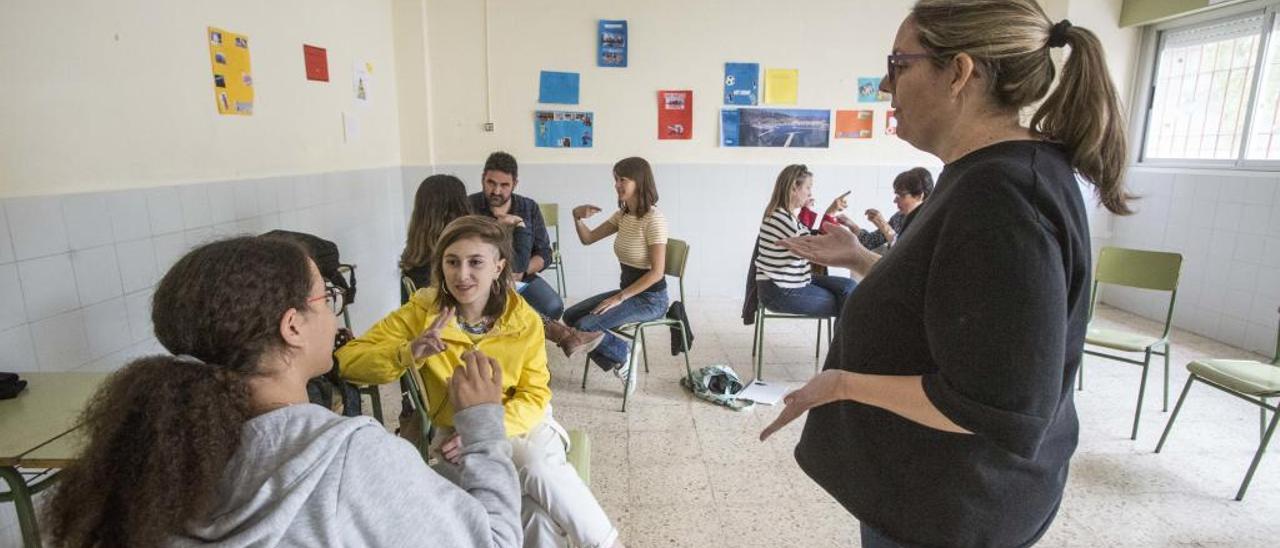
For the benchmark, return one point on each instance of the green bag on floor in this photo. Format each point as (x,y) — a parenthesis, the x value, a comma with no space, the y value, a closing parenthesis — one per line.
(718,384)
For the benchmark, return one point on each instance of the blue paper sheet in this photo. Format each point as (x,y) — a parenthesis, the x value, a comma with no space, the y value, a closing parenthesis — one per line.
(741,83)
(558,87)
(612,43)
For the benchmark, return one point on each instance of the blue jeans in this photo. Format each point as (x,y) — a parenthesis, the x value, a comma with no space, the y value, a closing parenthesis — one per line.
(872,538)
(543,298)
(613,350)
(823,297)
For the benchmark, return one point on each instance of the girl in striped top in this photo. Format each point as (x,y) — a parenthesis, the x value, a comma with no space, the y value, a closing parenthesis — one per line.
(784,281)
(641,248)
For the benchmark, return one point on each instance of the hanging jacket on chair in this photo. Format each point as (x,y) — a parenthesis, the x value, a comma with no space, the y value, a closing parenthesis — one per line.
(676,312)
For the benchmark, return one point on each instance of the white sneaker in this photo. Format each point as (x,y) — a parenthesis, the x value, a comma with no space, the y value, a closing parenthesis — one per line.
(622,371)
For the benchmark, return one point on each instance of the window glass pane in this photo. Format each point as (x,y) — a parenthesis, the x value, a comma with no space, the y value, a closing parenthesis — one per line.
(1264,143)
(1201,90)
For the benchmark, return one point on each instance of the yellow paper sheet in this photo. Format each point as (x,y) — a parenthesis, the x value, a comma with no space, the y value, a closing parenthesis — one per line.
(232,79)
(781,86)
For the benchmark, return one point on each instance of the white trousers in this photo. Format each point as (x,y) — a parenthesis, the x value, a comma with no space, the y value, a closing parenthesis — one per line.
(557,508)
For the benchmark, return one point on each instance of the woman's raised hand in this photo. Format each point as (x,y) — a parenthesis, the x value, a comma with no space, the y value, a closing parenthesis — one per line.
(584,211)
(428,343)
(835,247)
(476,382)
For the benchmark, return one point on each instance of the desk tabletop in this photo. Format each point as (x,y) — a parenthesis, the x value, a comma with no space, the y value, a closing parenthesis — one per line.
(49,408)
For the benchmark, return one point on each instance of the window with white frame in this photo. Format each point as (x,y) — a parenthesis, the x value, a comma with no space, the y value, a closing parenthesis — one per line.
(1202,90)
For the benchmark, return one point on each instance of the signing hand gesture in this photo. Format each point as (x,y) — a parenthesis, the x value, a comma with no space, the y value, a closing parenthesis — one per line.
(584,212)
(839,204)
(835,247)
(825,388)
(477,381)
(510,220)
(428,343)
(876,218)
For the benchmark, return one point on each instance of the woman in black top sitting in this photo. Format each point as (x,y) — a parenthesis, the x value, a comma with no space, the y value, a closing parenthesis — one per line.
(945,414)
(910,189)
(440,199)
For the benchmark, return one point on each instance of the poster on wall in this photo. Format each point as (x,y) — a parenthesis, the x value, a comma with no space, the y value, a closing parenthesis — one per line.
(890,123)
(559,129)
(855,124)
(675,114)
(362,82)
(781,86)
(612,43)
(316,60)
(729,127)
(741,83)
(232,78)
(869,91)
(788,128)
(558,87)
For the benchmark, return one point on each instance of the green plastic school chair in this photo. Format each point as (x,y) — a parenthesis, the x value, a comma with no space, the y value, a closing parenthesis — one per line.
(1249,380)
(1154,270)
(551,216)
(677,258)
(757,342)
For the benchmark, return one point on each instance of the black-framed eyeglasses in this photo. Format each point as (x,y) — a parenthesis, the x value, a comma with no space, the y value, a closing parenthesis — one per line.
(898,61)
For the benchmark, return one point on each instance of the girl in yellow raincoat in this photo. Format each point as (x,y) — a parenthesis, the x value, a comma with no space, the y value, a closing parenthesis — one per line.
(471,307)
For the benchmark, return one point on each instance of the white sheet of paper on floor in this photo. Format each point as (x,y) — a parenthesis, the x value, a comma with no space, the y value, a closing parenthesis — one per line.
(763,392)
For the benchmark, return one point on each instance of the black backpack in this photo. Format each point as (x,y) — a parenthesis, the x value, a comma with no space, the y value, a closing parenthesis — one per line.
(325,254)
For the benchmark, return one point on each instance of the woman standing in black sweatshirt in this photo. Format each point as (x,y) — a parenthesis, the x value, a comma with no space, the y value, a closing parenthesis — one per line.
(945,414)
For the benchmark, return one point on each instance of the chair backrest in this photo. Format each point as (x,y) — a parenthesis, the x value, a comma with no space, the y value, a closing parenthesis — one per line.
(551,214)
(409,287)
(1275,360)
(1139,268)
(677,258)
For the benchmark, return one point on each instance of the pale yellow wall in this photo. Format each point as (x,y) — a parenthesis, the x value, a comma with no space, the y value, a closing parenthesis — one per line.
(101,95)
(674,44)
(409,18)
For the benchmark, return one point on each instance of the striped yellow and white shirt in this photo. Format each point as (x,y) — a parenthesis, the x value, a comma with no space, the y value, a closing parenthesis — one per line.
(635,235)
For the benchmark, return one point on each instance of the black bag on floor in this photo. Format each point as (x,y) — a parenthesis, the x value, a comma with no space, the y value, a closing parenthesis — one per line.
(325,254)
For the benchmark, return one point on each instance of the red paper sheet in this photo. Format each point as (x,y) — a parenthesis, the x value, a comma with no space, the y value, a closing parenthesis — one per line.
(675,114)
(317,60)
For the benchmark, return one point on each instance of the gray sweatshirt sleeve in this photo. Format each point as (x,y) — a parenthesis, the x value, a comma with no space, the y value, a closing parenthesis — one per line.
(391,498)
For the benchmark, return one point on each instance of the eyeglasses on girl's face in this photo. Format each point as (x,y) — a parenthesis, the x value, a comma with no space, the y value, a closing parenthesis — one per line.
(333,297)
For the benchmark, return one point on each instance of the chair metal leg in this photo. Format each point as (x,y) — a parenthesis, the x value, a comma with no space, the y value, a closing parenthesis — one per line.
(1142,390)
(1168,349)
(644,347)
(760,346)
(817,348)
(1257,456)
(1176,408)
(1262,419)
(23,505)
(685,338)
(375,401)
(1080,376)
(586,367)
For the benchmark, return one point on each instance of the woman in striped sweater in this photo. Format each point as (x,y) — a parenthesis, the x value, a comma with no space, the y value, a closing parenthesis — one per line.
(641,248)
(784,280)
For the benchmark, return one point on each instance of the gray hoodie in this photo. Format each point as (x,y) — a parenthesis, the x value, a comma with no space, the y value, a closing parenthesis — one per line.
(304,476)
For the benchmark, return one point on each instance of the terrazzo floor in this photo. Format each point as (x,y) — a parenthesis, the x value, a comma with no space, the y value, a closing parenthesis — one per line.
(677,471)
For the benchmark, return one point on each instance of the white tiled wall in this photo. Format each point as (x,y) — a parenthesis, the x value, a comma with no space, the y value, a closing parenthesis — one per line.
(77,271)
(716,208)
(1227,228)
